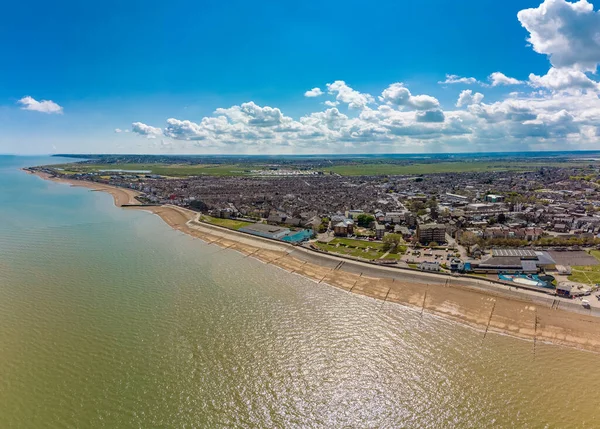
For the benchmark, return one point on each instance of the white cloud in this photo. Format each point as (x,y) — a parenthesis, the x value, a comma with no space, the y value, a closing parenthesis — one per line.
(146,130)
(44,106)
(498,78)
(397,94)
(452,79)
(345,94)
(315,92)
(568,32)
(467,97)
(551,118)
(563,79)
(430,116)
(331,103)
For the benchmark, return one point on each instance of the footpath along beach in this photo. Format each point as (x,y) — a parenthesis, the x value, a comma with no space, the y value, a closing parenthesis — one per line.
(477,303)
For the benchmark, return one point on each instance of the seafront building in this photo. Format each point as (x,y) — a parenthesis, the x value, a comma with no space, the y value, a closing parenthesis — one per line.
(433,232)
(267,231)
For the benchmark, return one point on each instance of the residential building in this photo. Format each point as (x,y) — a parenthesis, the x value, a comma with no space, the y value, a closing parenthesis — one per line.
(429,266)
(431,232)
(379,230)
(343,228)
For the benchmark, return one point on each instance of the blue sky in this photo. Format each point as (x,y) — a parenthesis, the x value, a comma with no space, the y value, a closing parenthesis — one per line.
(159,72)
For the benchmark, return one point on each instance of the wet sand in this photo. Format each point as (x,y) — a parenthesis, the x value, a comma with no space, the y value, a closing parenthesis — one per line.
(489,308)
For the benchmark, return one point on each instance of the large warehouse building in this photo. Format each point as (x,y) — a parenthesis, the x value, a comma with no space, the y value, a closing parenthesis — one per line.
(515,261)
(267,231)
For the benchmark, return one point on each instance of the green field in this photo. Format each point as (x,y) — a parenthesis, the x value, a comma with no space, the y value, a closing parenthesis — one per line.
(351,251)
(357,169)
(360,169)
(362,244)
(588,274)
(359,248)
(226,223)
(170,170)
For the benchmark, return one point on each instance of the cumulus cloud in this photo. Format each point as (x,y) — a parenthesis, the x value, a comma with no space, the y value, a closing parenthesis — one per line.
(430,116)
(44,106)
(146,130)
(520,121)
(563,79)
(452,79)
(345,94)
(567,32)
(562,113)
(498,78)
(315,92)
(467,97)
(397,94)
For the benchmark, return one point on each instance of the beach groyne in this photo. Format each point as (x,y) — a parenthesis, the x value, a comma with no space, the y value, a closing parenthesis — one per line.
(492,308)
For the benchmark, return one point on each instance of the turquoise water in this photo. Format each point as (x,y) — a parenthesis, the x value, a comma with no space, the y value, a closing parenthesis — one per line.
(299,236)
(111,319)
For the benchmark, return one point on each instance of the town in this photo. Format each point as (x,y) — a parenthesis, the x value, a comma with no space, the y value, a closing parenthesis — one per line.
(535,227)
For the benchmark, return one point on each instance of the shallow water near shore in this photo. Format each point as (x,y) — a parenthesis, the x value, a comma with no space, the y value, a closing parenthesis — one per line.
(109,318)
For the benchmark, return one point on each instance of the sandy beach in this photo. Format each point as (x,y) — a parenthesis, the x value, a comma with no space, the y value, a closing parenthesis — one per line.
(489,308)
(121,196)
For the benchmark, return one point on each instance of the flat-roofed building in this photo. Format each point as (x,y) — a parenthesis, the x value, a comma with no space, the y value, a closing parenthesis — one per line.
(353,214)
(379,230)
(516,261)
(429,266)
(493,198)
(267,231)
(394,217)
(431,232)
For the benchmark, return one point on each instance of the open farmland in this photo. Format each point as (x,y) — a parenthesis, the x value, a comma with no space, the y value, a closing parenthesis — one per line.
(380,169)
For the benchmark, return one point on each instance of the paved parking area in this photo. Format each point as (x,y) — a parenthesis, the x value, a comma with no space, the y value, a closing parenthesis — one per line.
(427,255)
(577,257)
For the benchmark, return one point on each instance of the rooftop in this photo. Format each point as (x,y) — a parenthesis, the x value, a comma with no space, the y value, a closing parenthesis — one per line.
(264,228)
(432,226)
(523,253)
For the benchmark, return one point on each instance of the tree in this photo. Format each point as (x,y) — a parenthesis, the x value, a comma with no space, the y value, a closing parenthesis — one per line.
(434,244)
(392,241)
(468,239)
(416,205)
(364,220)
(501,218)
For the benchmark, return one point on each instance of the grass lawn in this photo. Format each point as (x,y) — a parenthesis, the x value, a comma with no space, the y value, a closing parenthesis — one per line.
(588,274)
(362,244)
(585,274)
(227,223)
(595,254)
(357,252)
(395,256)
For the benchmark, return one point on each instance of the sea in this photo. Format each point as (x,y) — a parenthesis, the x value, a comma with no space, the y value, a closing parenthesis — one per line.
(111,319)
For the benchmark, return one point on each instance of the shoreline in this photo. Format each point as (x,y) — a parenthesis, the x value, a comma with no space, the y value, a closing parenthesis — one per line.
(121,196)
(475,303)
